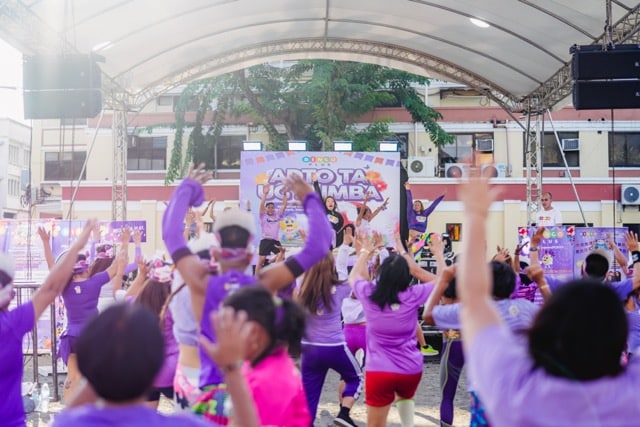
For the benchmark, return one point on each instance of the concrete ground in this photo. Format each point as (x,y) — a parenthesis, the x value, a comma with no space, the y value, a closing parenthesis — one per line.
(427,400)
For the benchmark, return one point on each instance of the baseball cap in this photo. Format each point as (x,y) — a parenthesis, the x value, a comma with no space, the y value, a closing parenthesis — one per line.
(235,217)
(7,265)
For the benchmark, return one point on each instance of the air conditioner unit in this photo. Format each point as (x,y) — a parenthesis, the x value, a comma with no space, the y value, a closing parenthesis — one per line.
(456,170)
(494,170)
(484,145)
(570,144)
(630,194)
(419,167)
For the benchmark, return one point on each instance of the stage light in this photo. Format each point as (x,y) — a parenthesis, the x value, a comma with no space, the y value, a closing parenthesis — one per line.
(479,23)
(342,146)
(387,146)
(252,145)
(297,145)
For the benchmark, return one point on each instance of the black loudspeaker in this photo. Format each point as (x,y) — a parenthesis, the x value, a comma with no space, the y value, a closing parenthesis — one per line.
(61,87)
(62,104)
(618,62)
(61,72)
(606,94)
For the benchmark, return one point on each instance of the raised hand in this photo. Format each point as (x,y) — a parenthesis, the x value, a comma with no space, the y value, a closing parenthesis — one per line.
(537,236)
(232,333)
(45,236)
(298,186)
(631,240)
(199,173)
(348,236)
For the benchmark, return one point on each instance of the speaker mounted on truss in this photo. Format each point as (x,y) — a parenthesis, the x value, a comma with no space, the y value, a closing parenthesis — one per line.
(605,77)
(62,86)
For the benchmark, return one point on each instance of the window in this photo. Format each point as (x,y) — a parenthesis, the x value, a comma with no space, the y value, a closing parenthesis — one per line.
(14,155)
(551,153)
(26,154)
(225,154)
(624,149)
(147,153)
(14,186)
(464,149)
(64,166)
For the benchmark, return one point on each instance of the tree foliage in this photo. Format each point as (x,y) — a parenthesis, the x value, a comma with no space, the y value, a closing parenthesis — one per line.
(319,101)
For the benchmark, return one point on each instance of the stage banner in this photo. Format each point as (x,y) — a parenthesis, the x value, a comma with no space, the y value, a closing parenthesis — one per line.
(590,238)
(346,176)
(555,252)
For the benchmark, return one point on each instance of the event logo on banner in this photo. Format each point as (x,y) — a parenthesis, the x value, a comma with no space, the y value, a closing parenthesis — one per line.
(346,176)
(555,251)
(588,239)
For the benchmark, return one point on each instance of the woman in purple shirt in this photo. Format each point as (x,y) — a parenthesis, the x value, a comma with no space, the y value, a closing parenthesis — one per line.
(557,377)
(81,304)
(417,215)
(323,346)
(14,324)
(394,362)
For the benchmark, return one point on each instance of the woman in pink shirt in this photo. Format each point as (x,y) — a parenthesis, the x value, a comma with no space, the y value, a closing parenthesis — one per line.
(277,326)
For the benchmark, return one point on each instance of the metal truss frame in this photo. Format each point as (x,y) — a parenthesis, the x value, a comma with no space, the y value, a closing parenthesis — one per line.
(119,181)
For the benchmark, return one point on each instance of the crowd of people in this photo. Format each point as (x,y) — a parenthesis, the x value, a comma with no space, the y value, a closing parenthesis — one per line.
(236,345)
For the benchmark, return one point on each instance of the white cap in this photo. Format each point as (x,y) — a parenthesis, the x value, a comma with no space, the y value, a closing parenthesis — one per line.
(7,264)
(204,242)
(235,217)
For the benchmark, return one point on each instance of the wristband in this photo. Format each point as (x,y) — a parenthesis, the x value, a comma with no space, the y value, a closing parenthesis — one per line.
(533,249)
(635,256)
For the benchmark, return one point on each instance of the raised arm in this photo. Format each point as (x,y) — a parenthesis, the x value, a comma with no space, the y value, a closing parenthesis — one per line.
(363,209)
(283,208)
(433,205)
(281,274)
(60,274)
(188,193)
(444,278)
(621,260)
(416,271)
(263,199)
(45,236)
(473,274)
(379,208)
(342,258)
(631,240)
(316,185)
(364,248)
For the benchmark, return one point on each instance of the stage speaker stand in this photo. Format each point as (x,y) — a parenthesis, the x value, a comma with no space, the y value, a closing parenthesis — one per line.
(62,87)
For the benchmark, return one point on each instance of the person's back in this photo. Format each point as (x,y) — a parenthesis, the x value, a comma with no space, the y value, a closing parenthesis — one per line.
(129,415)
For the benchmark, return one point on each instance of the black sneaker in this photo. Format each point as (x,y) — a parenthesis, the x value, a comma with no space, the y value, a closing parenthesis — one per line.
(344,421)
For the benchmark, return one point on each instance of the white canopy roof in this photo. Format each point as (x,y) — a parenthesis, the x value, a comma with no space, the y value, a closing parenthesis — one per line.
(153,45)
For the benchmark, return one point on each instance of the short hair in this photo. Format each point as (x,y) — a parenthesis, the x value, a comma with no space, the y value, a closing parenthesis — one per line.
(269,204)
(234,236)
(504,279)
(580,332)
(121,351)
(596,266)
(549,193)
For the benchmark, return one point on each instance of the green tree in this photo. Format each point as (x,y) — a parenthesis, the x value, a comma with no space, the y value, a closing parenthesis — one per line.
(314,100)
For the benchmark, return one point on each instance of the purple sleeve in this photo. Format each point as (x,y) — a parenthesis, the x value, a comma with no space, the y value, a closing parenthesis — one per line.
(130,268)
(317,247)
(98,280)
(622,289)
(22,319)
(493,349)
(362,289)
(433,205)
(447,316)
(411,214)
(188,193)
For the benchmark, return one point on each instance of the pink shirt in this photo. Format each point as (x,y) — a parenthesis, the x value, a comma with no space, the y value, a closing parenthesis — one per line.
(276,386)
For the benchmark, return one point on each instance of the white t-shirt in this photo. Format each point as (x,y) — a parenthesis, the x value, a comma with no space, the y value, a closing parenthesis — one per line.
(550,217)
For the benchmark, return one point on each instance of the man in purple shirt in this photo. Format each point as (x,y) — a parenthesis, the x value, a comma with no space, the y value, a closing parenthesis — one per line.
(558,377)
(14,324)
(235,231)
(270,225)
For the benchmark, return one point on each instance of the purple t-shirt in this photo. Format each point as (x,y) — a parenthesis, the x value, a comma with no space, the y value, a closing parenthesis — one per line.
(323,326)
(633,319)
(518,314)
(523,397)
(131,416)
(171,352)
(217,290)
(81,302)
(392,345)
(14,325)
(270,225)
